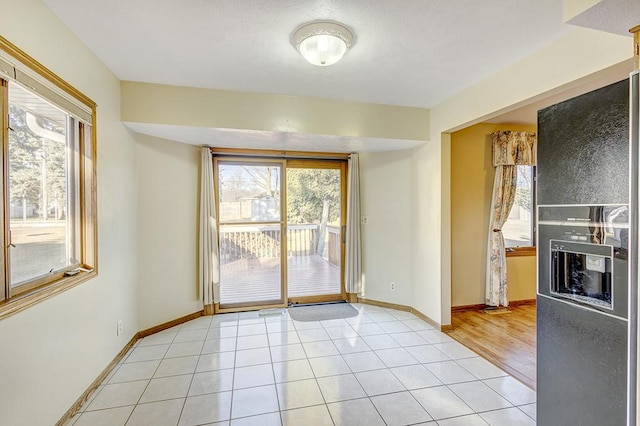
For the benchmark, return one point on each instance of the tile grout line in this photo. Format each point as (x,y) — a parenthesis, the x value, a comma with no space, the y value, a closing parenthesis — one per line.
(360,383)
(233,376)
(154,373)
(193,375)
(273,371)
(331,338)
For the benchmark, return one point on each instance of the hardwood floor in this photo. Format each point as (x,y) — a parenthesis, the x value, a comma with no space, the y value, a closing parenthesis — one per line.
(508,340)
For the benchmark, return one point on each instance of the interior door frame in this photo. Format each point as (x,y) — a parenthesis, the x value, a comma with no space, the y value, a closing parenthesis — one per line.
(340,165)
(315,160)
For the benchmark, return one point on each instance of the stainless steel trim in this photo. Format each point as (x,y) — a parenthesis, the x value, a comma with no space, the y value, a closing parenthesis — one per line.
(634,199)
(573,223)
(581,306)
(579,205)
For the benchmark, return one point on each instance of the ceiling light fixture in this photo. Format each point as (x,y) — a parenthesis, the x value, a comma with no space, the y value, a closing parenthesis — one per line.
(322,43)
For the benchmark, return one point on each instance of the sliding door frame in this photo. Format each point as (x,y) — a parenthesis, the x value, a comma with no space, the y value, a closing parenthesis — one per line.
(284,160)
(256,161)
(340,165)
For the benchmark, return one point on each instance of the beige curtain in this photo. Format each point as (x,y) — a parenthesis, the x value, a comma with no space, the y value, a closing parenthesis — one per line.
(353,261)
(208,241)
(510,149)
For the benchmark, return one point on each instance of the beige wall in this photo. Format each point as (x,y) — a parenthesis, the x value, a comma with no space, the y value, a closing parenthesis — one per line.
(188,106)
(168,174)
(60,346)
(386,240)
(471,189)
(51,352)
(568,62)
(168,193)
(426,238)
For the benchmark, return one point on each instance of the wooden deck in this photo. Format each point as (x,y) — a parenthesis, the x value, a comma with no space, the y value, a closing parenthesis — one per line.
(507,340)
(253,280)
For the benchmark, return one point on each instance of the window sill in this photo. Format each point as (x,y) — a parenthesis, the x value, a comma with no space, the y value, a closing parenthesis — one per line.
(520,251)
(22,302)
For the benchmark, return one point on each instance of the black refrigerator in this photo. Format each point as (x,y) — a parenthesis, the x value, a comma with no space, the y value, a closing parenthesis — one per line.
(587,193)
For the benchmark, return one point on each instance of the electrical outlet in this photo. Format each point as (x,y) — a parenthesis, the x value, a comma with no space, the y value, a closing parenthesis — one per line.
(392,286)
(119,330)
(364,220)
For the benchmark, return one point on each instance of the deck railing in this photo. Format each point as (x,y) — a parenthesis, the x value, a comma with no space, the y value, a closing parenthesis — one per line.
(334,245)
(302,240)
(259,241)
(247,242)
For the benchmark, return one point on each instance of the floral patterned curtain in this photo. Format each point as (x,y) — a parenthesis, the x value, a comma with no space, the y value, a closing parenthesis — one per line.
(510,149)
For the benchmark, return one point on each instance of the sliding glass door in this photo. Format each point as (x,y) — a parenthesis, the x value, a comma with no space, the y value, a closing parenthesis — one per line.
(314,230)
(250,232)
(260,268)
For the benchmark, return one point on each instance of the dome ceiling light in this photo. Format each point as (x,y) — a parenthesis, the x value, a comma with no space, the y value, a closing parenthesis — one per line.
(322,43)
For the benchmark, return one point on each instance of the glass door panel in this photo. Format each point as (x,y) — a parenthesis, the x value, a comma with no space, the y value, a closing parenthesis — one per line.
(250,267)
(314,227)
(250,229)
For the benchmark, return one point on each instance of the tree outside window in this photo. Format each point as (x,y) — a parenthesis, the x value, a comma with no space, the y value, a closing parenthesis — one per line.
(518,230)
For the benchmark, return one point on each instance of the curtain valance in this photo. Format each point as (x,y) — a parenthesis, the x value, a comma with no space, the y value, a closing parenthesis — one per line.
(514,148)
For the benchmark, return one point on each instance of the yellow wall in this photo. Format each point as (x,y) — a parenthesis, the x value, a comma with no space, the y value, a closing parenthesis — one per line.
(521,277)
(471,188)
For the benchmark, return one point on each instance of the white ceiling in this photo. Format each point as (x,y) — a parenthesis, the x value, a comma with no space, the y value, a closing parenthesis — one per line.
(612,16)
(407,52)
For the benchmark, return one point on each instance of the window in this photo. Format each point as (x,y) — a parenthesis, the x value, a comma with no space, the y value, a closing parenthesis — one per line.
(519,229)
(48,210)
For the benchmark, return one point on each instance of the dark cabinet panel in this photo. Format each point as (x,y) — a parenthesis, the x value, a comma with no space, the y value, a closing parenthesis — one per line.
(582,371)
(583,149)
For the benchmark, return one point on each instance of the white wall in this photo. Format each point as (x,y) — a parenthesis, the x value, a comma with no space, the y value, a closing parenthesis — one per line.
(51,352)
(168,191)
(386,240)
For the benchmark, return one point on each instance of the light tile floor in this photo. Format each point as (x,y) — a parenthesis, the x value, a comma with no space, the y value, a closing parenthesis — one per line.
(382,367)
